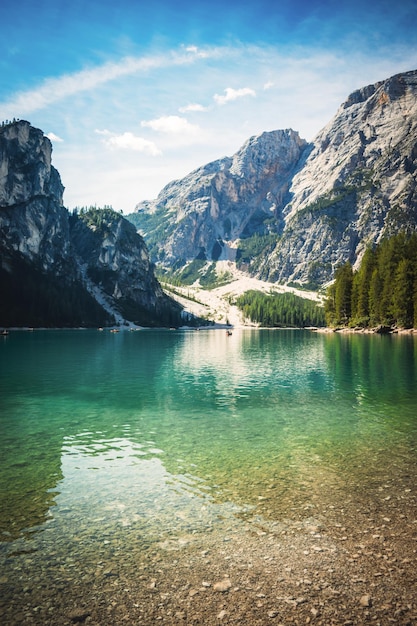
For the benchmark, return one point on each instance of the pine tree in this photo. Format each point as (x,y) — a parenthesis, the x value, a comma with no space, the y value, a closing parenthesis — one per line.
(391,251)
(402,296)
(375,289)
(362,282)
(415,302)
(343,294)
(330,305)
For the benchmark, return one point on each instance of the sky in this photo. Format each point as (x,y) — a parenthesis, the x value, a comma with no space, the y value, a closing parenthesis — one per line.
(135,94)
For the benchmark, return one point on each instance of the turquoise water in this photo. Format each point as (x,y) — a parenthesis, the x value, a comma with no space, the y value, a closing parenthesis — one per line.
(141,436)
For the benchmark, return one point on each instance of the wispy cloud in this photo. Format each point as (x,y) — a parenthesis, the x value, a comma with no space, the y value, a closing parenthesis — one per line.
(55,89)
(199,108)
(172,125)
(199,52)
(233,94)
(129,141)
(54,138)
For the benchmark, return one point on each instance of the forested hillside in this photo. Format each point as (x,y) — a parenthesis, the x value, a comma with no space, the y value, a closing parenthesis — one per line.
(33,297)
(280,310)
(382,292)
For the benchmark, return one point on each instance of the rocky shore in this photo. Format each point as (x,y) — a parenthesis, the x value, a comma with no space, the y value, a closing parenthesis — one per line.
(377,330)
(334,559)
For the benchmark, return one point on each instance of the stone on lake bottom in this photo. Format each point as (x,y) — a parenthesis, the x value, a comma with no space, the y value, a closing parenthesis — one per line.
(78,615)
(223,585)
(366,600)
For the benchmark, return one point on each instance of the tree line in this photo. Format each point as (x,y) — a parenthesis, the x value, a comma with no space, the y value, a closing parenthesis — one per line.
(9,122)
(280,310)
(383,291)
(32,297)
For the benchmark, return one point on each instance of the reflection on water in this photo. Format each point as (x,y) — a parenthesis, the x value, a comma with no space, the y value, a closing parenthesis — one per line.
(160,433)
(124,485)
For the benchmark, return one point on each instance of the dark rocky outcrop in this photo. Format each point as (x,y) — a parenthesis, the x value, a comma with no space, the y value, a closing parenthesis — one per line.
(116,269)
(62,270)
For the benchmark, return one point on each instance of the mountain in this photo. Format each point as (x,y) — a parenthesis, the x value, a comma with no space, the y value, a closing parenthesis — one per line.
(58,269)
(291,211)
(357,185)
(115,268)
(206,213)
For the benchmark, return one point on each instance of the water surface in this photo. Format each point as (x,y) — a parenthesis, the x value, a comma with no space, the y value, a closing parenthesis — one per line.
(117,442)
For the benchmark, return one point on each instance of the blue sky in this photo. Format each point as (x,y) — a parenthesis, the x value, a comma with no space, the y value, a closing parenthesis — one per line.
(136,94)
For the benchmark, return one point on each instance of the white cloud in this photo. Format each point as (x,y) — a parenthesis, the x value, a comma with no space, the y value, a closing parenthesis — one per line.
(202,54)
(121,168)
(193,108)
(55,89)
(172,125)
(129,141)
(234,94)
(54,137)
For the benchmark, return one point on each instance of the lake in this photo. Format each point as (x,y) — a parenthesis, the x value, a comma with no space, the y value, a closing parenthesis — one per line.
(132,453)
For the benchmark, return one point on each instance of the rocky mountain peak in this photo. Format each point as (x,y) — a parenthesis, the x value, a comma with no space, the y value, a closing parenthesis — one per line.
(357,185)
(223,201)
(25,165)
(324,202)
(254,157)
(387,90)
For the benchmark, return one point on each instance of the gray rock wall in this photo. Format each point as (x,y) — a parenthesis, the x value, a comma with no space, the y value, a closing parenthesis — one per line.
(325,201)
(110,264)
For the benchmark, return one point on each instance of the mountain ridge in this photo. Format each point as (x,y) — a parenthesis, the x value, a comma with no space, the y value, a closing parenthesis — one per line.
(322,203)
(207,202)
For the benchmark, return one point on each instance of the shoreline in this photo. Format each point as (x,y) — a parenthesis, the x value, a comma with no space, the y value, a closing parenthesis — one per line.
(367,331)
(327,561)
(378,330)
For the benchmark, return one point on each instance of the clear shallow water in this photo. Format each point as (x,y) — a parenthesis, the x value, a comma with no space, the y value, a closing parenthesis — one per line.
(141,438)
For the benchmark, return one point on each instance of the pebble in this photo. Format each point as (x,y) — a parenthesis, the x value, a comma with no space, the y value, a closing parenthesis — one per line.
(365,600)
(222,585)
(78,615)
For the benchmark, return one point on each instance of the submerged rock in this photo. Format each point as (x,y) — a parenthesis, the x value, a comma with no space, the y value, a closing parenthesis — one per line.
(223,585)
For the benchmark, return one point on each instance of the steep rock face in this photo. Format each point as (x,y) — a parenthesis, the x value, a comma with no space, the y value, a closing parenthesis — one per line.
(222,201)
(325,202)
(25,166)
(33,220)
(113,257)
(57,269)
(357,185)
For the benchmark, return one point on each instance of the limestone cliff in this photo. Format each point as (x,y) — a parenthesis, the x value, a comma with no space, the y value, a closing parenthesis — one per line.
(322,203)
(115,266)
(207,212)
(62,270)
(357,185)
(33,220)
